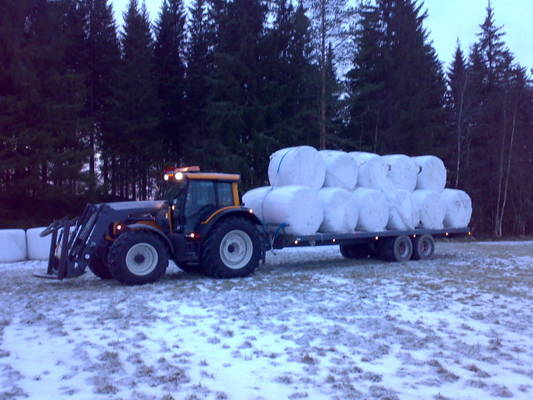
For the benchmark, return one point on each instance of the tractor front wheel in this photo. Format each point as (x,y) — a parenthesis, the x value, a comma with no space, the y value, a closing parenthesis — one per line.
(231,250)
(100,269)
(138,257)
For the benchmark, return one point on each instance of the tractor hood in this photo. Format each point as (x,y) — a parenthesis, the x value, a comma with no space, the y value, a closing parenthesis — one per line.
(147,205)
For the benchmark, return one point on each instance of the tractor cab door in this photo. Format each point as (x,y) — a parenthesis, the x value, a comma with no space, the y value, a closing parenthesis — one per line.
(203,198)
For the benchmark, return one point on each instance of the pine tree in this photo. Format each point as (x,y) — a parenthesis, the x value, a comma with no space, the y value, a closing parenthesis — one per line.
(170,68)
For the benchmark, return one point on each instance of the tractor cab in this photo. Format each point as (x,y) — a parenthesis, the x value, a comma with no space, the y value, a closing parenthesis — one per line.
(195,197)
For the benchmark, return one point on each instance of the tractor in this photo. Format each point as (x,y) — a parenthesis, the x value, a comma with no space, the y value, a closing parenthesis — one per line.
(200,224)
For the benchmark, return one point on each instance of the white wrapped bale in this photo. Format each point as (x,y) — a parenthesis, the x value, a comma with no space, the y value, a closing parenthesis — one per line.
(297,206)
(340,210)
(12,245)
(254,199)
(38,247)
(372,172)
(301,166)
(373,209)
(400,210)
(429,210)
(341,169)
(458,208)
(403,171)
(432,175)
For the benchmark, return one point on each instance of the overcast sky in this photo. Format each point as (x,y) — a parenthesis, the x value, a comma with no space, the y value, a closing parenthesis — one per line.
(449,20)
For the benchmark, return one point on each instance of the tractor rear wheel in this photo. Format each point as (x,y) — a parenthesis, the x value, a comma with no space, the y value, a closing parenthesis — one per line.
(138,257)
(231,250)
(100,269)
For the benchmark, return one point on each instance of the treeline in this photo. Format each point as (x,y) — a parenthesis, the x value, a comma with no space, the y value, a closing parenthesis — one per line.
(90,112)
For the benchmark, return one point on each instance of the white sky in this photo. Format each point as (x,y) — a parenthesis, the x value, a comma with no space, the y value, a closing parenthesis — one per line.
(449,20)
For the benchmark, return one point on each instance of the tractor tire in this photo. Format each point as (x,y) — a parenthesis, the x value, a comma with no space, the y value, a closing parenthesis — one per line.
(231,250)
(354,251)
(138,257)
(100,269)
(423,247)
(399,248)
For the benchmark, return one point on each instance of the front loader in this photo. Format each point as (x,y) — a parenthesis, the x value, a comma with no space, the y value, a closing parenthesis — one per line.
(200,224)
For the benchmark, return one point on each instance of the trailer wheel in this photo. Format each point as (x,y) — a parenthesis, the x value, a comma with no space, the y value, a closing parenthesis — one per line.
(423,247)
(398,248)
(231,250)
(138,257)
(353,251)
(100,269)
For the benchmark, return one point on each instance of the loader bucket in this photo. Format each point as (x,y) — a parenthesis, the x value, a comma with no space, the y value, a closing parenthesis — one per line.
(69,240)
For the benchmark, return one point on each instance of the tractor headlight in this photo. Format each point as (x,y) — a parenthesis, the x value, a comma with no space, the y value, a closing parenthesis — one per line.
(178,176)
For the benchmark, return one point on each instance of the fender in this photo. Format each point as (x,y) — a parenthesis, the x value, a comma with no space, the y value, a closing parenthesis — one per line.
(138,227)
(205,226)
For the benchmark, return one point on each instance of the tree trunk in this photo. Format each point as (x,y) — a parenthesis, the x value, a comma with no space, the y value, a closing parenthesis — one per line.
(460,131)
(497,226)
(323,33)
(507,173)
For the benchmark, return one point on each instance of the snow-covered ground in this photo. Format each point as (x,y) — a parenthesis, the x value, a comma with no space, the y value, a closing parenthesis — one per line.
(308,324)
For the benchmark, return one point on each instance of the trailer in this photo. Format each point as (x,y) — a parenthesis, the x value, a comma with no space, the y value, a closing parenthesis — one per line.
(202,226)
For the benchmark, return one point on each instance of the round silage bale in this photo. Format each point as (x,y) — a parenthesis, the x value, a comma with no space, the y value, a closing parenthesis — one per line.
(254,199)
(372,171)
(428,209)
(400,210)
(38,247)
(403,171)
(432,174)
(12,245)
(373,209)
(341,169)
(458,208)
(297,206)
(340,210)
(300,166)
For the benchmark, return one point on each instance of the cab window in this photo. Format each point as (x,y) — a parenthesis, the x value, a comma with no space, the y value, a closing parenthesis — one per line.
(224,194)
(201,195)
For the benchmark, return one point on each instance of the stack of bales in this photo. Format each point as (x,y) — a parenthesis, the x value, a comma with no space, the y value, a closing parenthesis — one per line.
(337,192)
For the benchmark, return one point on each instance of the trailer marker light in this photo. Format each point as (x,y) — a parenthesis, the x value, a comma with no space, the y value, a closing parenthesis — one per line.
(376,238)
(334,240)
(251,211)
(173,207)
(469,233)
(296,242)
(414,236)
(446,233)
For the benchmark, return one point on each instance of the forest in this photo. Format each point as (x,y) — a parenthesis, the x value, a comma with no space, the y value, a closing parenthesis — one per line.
(91,111)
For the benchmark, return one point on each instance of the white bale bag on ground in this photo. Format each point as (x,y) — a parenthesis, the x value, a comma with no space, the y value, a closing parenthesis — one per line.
(341,169)
(432,175)
(12,245)
(373,209)
(297,206)
(302,166)
(428,208)
(38,247)
(458,208)
(254,199)
(400,210)
(372,171)
(403,171)
(340,210)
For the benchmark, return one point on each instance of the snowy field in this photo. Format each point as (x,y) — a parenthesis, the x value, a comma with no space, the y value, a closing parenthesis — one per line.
(307,325)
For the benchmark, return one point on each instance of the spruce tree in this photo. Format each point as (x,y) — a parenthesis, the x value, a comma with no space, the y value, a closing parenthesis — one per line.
(170,74)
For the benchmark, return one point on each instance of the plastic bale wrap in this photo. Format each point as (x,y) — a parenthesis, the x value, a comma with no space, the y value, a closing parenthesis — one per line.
(301,166)
(254,199)
(402,171)
(340,210)
(341,169)
(458,208)
(297,206)
(373,209)
(38,247)
(400,210)
(372,171)
(428,208)
(432,174)
(12,245)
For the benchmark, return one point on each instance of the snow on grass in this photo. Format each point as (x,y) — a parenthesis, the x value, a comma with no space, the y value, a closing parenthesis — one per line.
(308,324)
